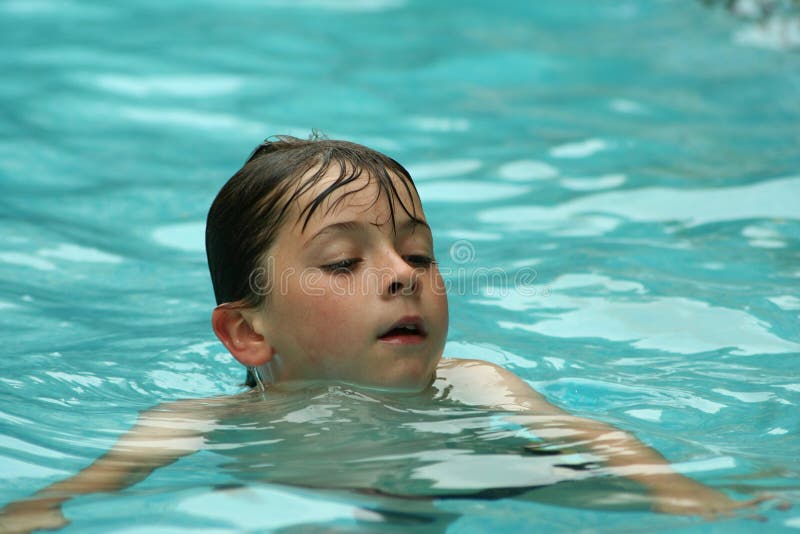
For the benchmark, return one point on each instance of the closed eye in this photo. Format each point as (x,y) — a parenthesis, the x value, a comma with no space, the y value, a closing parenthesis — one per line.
(419,260)
(341,267)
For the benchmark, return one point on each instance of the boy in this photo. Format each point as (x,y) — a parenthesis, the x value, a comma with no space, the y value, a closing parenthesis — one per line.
(323,271)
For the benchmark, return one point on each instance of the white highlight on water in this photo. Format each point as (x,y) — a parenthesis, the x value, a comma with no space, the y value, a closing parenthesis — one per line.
(189,237)
(623,105)
(606,181)
(672,324)
(254,508)
(188,85)
(646,414)
(786,302)
(26,260)
(190,118)
(581,149)
(443,169)
(760,236)
(453,191)
(77,253)
(768,199)
(439,124)
(527,169)
(746,396)
(778,431)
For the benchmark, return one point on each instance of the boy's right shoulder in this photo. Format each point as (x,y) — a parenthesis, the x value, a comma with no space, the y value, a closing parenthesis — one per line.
(207,408)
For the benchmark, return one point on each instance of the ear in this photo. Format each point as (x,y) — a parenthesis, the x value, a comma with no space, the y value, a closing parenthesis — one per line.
(234,330)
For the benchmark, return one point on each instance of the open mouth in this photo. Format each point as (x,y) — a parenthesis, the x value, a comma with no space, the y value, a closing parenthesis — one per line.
(406,330)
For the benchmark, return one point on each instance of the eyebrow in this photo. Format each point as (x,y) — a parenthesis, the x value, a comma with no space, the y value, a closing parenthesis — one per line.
(349,226)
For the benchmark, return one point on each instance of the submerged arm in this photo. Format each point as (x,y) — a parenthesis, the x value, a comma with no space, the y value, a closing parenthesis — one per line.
(161,436)
(622,452)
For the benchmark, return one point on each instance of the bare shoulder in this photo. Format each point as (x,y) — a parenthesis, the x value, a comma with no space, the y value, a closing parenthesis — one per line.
(202,408)
(478,382)
(470,363)
(196,414)
(172,429)
(470,372)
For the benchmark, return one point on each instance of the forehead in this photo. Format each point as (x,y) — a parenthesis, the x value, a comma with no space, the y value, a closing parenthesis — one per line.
(322,196)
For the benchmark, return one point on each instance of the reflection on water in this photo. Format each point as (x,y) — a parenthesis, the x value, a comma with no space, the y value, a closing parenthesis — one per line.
(407,447)
(393,460)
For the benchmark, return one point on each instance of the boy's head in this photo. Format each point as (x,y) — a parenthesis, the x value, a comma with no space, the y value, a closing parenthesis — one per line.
(322,267)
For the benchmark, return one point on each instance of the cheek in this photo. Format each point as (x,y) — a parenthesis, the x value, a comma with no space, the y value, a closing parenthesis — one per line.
(439,312)
(320,324)
(439,295)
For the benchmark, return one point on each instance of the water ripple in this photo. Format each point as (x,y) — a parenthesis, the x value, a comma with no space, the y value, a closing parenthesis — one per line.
(769,199)
(670,324)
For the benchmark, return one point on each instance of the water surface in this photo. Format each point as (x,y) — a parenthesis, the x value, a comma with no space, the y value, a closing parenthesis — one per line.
(630,169)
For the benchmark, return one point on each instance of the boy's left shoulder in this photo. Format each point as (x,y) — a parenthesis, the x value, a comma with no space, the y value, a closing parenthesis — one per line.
(469,369)
(478,382)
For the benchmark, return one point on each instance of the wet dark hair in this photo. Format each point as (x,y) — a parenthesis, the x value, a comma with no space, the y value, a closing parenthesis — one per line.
(248,211)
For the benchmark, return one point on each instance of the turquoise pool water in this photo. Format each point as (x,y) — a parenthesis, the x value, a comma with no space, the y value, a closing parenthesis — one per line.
(631,169)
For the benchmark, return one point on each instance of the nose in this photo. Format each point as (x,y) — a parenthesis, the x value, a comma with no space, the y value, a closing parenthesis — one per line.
(402,279)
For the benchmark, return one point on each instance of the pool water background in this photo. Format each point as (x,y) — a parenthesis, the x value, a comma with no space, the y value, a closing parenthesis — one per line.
(631,169)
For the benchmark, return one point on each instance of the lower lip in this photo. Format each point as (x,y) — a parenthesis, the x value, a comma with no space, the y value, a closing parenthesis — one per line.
(408,339)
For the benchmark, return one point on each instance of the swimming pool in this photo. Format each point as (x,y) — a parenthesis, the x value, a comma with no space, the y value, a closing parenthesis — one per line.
(629,168)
